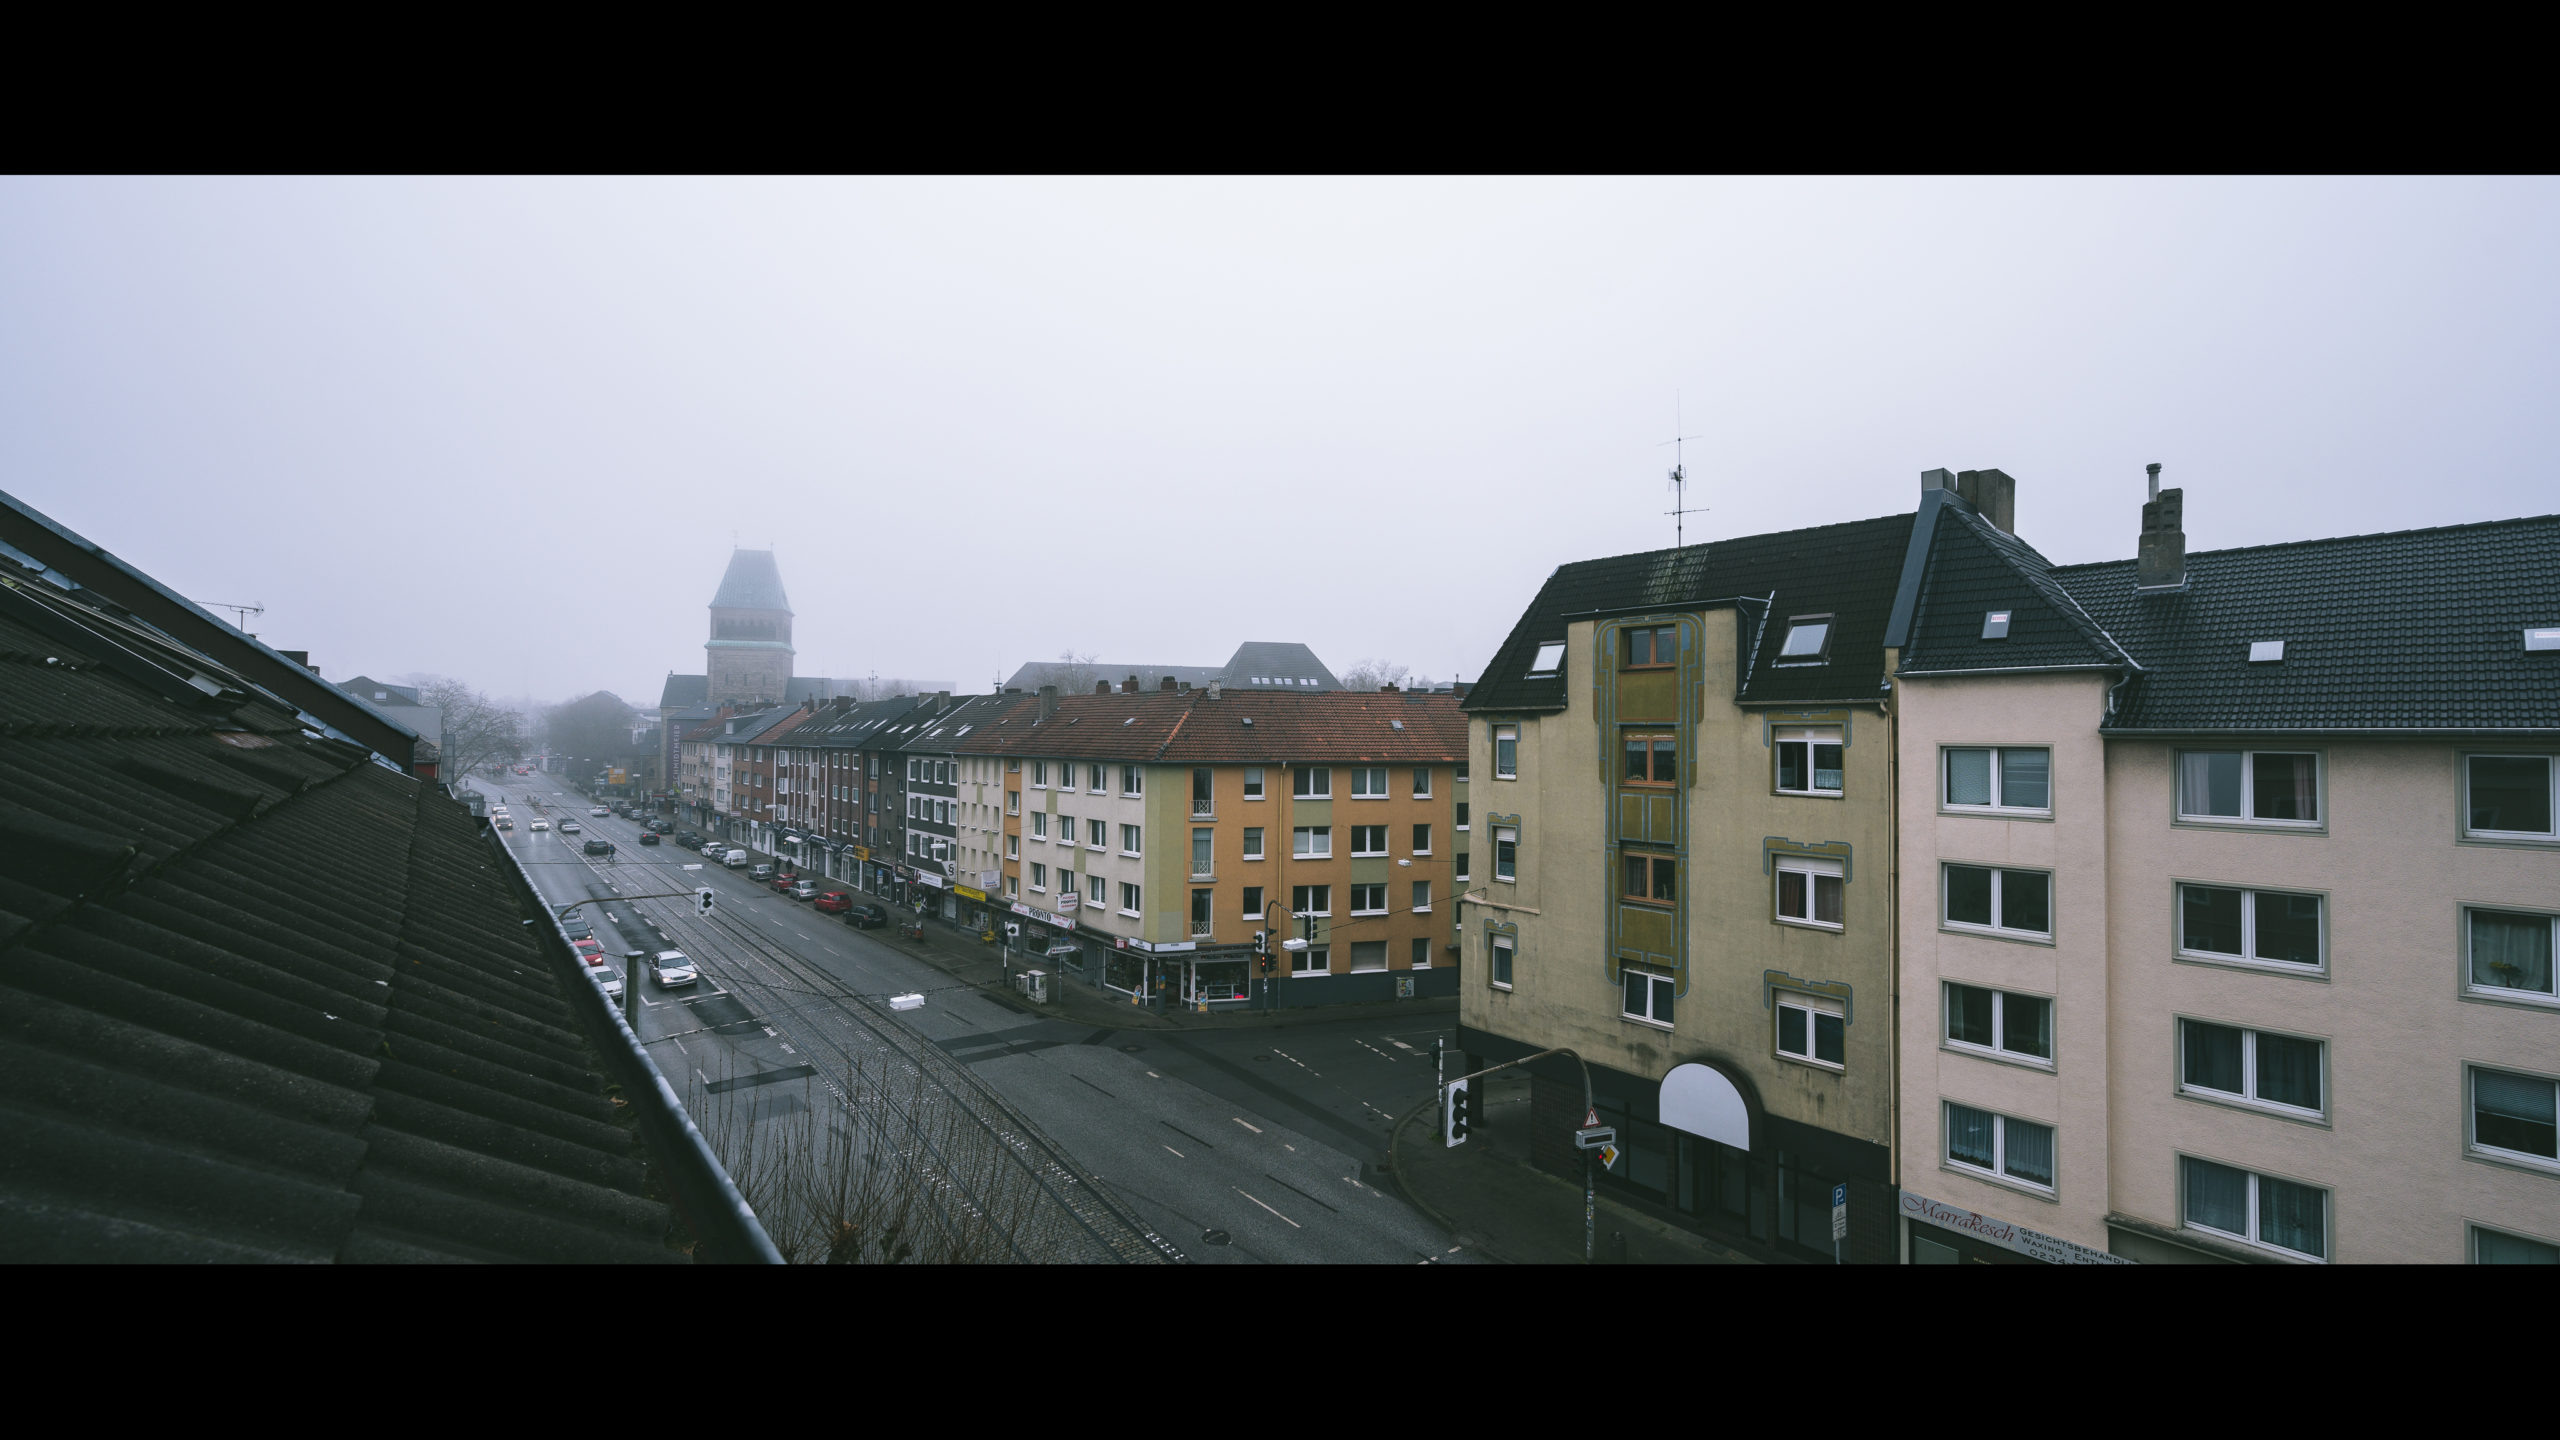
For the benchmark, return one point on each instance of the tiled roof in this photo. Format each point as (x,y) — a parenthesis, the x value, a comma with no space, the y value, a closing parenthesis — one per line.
(1275,664)
(1975,568)
(1030,677)
(943,734)
(2415,629)
(262,998)
(1344,726)
(869,724)
(1100,727)
(1846,570)
(752,582)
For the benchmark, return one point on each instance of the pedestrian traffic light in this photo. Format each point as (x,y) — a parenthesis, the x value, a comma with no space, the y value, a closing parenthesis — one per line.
(1454,1113)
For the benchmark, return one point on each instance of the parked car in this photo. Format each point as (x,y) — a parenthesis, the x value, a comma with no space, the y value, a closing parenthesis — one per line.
(782,883)
(648,837)
(688,840)
(608,978)
(671,968)
(761,872)
(834,902)
(601,810)
(541,824)
(578,925)
(599,847)
(803,890)
(589,951)
(734,859)
(663,827)
(863,915)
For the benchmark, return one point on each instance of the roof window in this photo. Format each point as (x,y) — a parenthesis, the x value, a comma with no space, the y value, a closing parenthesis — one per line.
(1398,724)
(2547,638)
(1248,719)
(1995,625)
(2265,652)
(1549,659)
(1808,641)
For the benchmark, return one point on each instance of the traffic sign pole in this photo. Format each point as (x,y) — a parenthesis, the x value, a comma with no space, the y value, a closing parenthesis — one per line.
(1839,1220)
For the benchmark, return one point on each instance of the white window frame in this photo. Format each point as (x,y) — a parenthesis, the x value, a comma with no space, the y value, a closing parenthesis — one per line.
(1303,838)
(1808,736)
(1658,988)
(1810,1006)
(1369,782)
(1425,907)
(1499,832)
(1379,886)
(1421,782)
(1095,888)
(2249,787)
(1502,957)
(1327,911)
(2471,1121)
(2328,1213)
(2550,779)
(1013,847)
(1814,870)
(1132,780)
(1097,835)
(1312,775)
(1314,960)
(1248,895)
(2052,904)
(1999,1024)
(2249,930)
(2551,942)
(1253,842)
(1384,959)
(1999,800)
(1040,826)
(1130,896)
(1130,840)
(1500,734)
(1253,782)
(1998,1174)
(2247,1096)
(1356,831)
(1039,878)
(2471,1241)
(1425,847)
(1039,774)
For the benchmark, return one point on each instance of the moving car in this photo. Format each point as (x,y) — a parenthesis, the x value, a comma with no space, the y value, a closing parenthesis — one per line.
(734,859)
(803,890)
(607,977)
(761,872)
(505,824)
(670,968)
(648,837)
(863,915)
(601,810)
(571,827)
(541,824)
(599,847)
(835,902)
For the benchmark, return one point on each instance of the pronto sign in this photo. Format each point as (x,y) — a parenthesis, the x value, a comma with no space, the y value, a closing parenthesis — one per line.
(2030,1243)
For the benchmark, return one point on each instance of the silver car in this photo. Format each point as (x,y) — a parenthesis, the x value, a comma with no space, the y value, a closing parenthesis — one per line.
(569,827)
(608,978)
(671,968)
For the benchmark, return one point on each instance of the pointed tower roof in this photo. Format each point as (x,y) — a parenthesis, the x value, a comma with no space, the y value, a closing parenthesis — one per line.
(754,582)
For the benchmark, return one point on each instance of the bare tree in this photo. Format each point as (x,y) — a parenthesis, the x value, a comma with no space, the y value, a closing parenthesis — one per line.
(477,730)
(1372,674)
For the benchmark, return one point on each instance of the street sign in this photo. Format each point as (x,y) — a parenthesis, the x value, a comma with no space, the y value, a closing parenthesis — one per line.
(1839,1213)
(1592,1137)
(1608,1157)
(1590,1119)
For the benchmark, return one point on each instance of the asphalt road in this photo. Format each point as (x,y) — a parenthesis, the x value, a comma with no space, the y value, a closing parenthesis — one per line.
(1229,1145)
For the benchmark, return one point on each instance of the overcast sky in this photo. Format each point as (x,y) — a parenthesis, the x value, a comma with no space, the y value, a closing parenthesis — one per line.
(506,430)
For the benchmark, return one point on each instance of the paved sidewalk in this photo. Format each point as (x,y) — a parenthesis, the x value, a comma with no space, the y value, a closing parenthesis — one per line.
(1487,1195)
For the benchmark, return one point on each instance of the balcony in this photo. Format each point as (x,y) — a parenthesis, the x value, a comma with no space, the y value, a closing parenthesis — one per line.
(1200,928)
(1203,808)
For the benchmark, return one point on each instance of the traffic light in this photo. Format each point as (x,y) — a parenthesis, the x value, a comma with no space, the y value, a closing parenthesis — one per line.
(1262,942)
(702,900)
(1454,1113)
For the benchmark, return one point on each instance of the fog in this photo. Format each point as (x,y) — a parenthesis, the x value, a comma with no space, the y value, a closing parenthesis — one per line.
(508,430)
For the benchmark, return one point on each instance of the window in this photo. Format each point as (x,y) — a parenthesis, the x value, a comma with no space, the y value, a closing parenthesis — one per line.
(1653,647)
(2254,1209)
(1654,879)
(1013,885)
(2515,1117)
(1311,900)
(1808,761)
(2006,778)
(1098,778)
(1368,955)
(1421,895)
(2491,1247)
(1066,774)
(1013,847)
(1368,900)
(1995,625)
(1999,1146)
(1809,891)
(2014,902)
(1203,848)
(1040,774)
(2257,786)
(1314,960)
(1013,802)
(1311,782)
(1421,839)
(1253,902)
(912,763)
(1462,814)
(2510,795)
(1039,826)
(1204,905)
(1646,996)
(1808,641)
(1369,782)
(2264,926)
(2509,954)
(1499,972)
(1421,782)
(1810,1028)
(1549,658)
(1311,842)
(1039,876)
(1253,842)
(1506,853)
(1128,896)
(2226,1062)
(1253,783)
(1506,752)
(1097,835)
(2000,1022)
(942,772)
(1458,866)
(1132,780)
(1651,759)
(1368,839)
(1421,959)
(1458,770)
(1066,829)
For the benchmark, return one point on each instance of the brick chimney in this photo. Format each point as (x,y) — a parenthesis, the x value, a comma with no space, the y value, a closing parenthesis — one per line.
(1047,704)
(1129,686)
(2161,562)
(1991,493)
(1167,686)
(1101,687)
(1213,689)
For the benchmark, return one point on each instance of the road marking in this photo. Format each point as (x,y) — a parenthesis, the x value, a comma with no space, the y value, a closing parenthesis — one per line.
(1285,1145)
(1294,1225)
(1374,1050)
(680,1046)
(1256,1129)
(1153,1075)
(1399,1044)
(787,1050)
(1178,1155)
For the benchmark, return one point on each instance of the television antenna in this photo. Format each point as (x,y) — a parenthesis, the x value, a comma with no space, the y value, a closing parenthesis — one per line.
(243,611)
(1680,511)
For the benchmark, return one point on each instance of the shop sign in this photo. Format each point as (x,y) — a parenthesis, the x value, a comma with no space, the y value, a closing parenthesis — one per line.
(1043,916)
(929,878)
(2052,1250)
(969,892)
(861,852)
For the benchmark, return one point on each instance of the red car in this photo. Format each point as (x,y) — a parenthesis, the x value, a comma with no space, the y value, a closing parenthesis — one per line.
(782,883)
(589,951)
(835,902)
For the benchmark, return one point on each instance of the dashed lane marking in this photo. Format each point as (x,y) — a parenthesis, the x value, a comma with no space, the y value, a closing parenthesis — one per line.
(1256,1129)
(1374,1050)
(1294,1225)
(1176,1154)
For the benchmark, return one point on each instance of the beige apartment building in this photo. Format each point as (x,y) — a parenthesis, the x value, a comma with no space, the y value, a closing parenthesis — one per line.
(2228,885)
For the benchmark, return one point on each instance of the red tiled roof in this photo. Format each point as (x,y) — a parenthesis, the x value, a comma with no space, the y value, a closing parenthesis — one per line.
(1116,726)
(1190,728)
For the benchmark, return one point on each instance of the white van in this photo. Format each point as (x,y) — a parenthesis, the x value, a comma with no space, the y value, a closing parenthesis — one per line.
(734,859)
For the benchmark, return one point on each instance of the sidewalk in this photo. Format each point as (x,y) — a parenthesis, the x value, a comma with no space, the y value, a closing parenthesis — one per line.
(1492,1202)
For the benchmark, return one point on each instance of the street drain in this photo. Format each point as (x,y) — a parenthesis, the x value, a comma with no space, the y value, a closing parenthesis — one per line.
(1261,1057)
(1215,1237)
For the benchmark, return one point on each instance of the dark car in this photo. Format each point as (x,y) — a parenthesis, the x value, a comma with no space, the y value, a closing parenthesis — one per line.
(663,827)
(862,915)
(599,847)
(578,926)
(648,837)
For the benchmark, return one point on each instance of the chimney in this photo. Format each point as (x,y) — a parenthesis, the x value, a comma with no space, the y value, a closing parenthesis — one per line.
(301,658)
(1993,495)
(2161,563)
(1167,686)
(1213,689)
(1391,690)
(1101,687)
(1129,686)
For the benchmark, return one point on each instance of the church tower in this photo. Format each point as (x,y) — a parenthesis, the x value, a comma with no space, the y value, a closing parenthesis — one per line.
(748,657)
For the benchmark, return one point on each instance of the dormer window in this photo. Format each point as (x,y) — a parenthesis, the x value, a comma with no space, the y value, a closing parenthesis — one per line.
(1653,648)
(2266,652)
(1995,625)
(1548,660)
(2543,638)
(1808,641)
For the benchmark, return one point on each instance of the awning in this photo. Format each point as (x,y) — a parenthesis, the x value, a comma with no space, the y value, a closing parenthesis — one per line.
(1700,1100)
